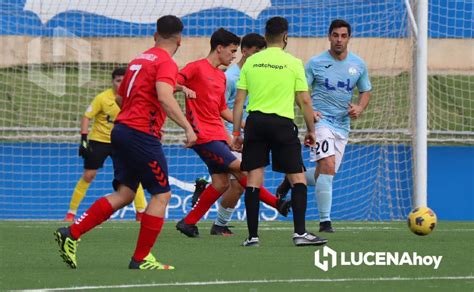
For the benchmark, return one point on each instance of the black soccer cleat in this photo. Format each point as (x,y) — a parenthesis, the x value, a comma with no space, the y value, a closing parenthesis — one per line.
(283,206)
(251,241)
(283,189)
(326,227)
(221,230)
(307,239)
(187,229)
(200,186)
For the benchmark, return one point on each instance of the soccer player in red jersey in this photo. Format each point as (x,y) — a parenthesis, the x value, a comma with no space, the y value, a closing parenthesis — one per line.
(146,98)
(204,85)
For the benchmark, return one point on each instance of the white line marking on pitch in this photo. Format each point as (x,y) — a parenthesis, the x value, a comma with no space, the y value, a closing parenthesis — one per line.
(178,284)
(277,228)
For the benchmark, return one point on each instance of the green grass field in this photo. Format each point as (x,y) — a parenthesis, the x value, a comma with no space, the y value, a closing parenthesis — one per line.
(30,259)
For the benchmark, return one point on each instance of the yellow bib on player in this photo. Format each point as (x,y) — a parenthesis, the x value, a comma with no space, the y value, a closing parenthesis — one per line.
(103,110)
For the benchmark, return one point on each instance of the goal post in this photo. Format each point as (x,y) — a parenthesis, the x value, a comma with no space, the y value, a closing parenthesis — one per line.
(420,139)
(57,55)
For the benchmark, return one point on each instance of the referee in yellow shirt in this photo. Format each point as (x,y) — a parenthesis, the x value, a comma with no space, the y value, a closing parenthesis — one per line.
(96,147)
(271,79)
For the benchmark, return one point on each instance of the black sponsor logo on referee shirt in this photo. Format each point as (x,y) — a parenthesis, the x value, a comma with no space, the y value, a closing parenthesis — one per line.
(271,66)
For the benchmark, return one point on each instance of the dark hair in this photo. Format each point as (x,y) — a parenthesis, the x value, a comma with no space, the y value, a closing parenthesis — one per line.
(168,25)
(120,71)
(275,27)
(224,38)
(337,23)
(253,40)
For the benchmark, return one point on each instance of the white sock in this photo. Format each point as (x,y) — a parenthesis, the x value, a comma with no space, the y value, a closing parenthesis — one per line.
(223,215)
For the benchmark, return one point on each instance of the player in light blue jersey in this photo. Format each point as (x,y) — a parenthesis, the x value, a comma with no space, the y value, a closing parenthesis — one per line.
(332,77)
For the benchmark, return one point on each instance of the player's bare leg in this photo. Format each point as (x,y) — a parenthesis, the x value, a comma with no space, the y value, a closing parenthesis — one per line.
(226,208)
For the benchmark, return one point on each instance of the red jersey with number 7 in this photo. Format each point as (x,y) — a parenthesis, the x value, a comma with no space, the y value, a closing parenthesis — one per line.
(141,109)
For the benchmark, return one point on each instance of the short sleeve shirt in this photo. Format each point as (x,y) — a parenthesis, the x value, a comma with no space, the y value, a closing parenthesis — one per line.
(271,78)
(103,110)
(204,112)
(141,109)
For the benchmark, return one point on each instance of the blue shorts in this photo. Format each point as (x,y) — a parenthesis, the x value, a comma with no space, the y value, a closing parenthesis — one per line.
(217,156)
(138,157)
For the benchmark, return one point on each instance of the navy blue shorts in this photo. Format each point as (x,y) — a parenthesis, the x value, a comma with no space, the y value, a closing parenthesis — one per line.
(217,156)
(138,157)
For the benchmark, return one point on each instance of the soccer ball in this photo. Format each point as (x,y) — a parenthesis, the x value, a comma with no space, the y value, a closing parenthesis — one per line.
(422,221)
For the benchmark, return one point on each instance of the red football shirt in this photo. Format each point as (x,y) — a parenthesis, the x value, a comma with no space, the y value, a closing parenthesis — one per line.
(204,112)
(141,109)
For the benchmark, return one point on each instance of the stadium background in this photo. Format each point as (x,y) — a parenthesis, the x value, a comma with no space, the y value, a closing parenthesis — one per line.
(37,177)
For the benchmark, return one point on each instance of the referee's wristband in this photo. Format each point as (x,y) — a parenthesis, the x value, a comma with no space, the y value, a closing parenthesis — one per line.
(236,133)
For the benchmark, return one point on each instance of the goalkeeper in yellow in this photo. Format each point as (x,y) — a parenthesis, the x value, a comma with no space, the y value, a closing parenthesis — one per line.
(96,147)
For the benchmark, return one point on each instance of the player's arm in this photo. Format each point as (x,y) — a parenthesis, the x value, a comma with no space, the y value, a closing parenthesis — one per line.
(355,110)
(303,101)
(172,109)
(228,116)
(84,146)
(188,93)
(364,86)
(237,113)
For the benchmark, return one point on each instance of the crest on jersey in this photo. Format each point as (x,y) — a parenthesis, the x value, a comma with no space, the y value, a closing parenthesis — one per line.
(352,71)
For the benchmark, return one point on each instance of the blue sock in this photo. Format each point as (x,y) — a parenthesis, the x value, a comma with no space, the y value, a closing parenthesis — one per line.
(310,176)
(324,196)
(223,215)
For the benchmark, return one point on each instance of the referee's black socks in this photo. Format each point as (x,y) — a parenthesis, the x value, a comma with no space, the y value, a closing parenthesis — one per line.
(252,206)
(299,194)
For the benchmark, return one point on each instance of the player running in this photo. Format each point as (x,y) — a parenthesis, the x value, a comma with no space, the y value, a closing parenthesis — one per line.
(147,93)
(205,111)
(332,76)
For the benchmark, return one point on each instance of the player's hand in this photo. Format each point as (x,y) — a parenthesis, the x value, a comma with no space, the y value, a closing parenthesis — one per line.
(354,111)
(188,92)
(317,116)
(242,124)
(237,143)
(190,138)
(310,139)
(84,148)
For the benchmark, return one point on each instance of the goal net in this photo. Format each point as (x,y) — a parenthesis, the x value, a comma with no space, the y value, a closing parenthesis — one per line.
(58,55)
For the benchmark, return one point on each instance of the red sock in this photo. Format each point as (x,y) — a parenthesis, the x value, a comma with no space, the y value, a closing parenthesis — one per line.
(205,201)
(265,196)
(150,228)
(100,211)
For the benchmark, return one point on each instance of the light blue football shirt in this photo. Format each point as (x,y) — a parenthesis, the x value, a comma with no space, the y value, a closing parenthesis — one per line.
(332,84)
(232,75)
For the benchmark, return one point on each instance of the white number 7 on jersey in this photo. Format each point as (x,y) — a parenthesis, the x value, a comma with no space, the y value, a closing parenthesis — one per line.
(135,68)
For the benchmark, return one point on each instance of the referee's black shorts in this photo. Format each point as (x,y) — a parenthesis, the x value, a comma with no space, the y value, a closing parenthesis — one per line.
(270,132)
(98,152)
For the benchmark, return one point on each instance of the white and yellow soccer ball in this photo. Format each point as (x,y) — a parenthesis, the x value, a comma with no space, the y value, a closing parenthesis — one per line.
(422,221)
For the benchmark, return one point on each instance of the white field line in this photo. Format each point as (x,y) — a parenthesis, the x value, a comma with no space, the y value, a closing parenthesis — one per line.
(277,228)
(263,281)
